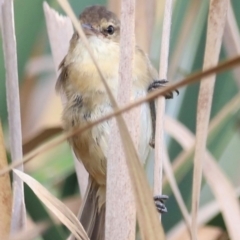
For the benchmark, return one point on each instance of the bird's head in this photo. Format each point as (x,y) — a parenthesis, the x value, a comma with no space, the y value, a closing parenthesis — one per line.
(98,21)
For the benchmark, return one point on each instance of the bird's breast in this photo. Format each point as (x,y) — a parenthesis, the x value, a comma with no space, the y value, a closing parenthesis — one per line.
(82,72)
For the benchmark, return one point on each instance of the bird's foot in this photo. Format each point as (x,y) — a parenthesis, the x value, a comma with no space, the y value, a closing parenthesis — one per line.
(159,202)
(161,83)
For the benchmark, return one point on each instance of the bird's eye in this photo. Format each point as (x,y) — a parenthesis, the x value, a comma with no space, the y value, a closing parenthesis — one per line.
(110,30)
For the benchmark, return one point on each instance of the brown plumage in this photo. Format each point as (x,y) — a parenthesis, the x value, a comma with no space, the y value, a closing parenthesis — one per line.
(87,100)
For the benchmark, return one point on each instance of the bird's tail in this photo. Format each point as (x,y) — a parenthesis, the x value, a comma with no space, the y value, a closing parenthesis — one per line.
(92,214)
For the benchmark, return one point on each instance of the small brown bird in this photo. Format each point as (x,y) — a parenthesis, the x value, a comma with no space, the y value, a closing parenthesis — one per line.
(87,100)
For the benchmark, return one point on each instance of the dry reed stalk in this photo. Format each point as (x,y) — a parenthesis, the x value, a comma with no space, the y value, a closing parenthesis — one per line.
(120,198)
(159,138)
(60,31)
(216,23)
(58,140)
(231,40)
(5,193)
(13,105)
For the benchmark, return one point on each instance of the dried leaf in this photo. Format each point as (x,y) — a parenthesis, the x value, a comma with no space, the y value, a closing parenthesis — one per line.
(58,26)
(73,203)
(55,206)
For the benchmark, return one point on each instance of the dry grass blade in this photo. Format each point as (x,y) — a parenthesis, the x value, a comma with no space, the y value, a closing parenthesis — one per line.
(159,138)
(31,232)
(216,23)
(55,206)
(5,193)
(13,104)
(120,197)
(222,188)
(73,203)
(193,78)
(60,31)
(231,40)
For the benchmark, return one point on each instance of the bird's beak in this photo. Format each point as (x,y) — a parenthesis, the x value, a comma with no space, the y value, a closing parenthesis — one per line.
(89,30)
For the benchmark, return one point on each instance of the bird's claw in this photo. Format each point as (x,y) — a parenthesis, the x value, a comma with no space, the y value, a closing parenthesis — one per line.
(159,203)
(161,83)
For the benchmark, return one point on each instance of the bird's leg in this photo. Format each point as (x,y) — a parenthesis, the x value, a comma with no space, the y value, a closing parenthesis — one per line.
(153,120)
(160,203)
(158,200)
(153,86)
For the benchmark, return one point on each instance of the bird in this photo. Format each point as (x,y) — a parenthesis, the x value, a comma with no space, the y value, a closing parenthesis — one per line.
(87,100)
